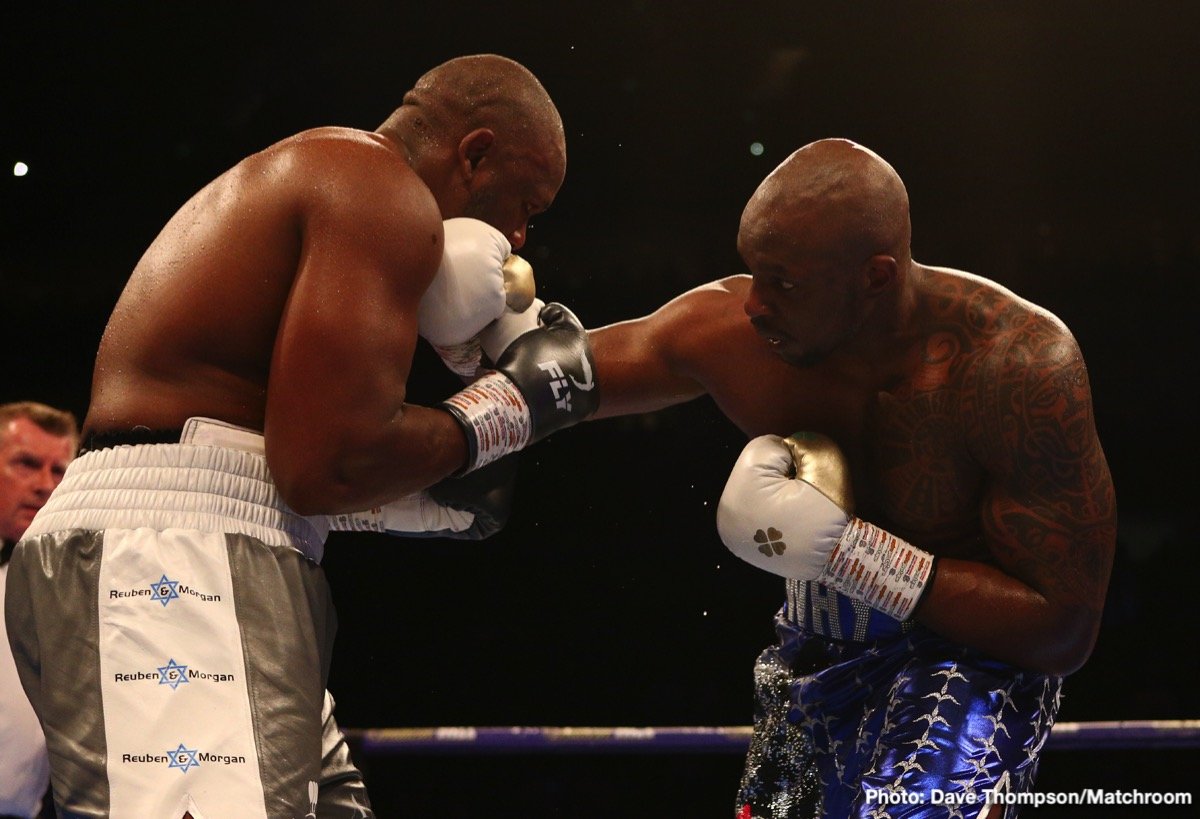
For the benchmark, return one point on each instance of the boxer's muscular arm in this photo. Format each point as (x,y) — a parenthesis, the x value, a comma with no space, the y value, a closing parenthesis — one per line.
(1049,517)
(649,363)
(339,434)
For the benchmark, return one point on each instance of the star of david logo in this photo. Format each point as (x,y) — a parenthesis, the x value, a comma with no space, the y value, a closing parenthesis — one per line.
(183,758)
(164,590)
(172,674)
(770,542)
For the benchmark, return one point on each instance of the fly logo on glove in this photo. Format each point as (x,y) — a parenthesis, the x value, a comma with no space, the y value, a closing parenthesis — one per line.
(802,484)
(558,383)
(588,383)
(528,396)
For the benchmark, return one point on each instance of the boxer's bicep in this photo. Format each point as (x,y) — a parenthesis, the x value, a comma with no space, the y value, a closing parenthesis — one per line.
(635,369)
(344,346)
(1060,567)
(667,357)
(1049,516)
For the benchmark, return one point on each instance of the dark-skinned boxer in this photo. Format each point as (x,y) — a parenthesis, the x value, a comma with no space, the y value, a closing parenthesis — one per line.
(250,385)
(947,434)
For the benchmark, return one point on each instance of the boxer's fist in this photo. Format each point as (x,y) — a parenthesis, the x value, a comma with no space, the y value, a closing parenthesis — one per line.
(485,494)
(471,507)
(543,382)
(786,509)
(553,367)
(467,293)
(478,281)
(501,333)
(775,514)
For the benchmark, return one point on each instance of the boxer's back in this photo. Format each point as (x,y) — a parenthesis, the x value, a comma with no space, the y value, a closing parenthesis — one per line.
(194,330)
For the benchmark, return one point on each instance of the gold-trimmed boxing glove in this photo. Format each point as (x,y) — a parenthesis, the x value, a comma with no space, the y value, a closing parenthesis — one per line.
(787,509)
(478,281)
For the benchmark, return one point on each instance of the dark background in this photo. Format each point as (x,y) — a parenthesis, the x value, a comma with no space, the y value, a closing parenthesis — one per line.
(1049,146)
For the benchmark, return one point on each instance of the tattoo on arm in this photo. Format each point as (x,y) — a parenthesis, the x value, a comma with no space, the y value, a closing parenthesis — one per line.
(1050,517)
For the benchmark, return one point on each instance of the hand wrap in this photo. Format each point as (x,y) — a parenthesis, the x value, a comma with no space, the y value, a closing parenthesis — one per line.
(786,509)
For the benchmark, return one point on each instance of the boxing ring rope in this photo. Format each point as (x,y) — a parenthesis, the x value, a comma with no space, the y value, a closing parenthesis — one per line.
(1065,736)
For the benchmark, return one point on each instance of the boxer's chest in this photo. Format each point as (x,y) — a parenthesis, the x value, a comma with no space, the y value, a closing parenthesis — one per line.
(911,467)
(915,463)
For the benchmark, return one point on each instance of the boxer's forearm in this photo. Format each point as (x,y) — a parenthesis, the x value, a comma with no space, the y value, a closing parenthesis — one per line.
(370,465)
(635,398)
(636,372)
(984,608)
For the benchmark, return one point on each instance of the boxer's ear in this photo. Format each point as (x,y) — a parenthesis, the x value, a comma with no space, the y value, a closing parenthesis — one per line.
(473,147)
(881,272)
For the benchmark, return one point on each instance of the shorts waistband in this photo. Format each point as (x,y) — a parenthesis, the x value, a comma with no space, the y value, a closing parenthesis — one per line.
(817,609)
(128,437)
(217,481)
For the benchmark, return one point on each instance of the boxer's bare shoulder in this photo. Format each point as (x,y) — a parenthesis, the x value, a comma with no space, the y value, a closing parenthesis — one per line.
(319,221)
(943,433)
(1003,385)
(1012,365)
(666,357)
(341,169)
(704,320)
(713,342)
(701,342)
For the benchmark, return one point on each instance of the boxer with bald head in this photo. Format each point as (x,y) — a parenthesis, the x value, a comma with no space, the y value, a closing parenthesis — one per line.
(250,384)
(924,471)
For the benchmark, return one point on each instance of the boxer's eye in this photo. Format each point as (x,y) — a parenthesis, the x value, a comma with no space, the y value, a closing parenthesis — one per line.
(785,285)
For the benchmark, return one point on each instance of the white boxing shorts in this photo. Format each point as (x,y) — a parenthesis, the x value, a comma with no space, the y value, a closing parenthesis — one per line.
(173,628)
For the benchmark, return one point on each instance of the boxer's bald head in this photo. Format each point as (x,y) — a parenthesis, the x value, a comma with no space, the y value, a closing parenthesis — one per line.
(484,135)
(486,91)
(825,235)
(831,200)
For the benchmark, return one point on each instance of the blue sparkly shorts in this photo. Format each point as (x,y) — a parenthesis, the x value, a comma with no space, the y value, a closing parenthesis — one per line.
(897,723)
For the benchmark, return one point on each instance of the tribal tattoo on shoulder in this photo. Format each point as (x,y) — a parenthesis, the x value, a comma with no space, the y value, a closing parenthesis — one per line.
(1050,513)
(923,447)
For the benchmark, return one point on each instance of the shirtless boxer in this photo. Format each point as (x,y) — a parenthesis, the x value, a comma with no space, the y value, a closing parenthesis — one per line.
(175,626)
(956,418)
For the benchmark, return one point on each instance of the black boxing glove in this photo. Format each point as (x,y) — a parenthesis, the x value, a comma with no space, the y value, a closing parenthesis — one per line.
(486,494)
(542,383)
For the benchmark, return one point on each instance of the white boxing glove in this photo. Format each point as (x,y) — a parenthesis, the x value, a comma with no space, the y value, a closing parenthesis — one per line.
(471,507)
(467,292)
(415,515)
(477,281)
(786,509)
(495,338)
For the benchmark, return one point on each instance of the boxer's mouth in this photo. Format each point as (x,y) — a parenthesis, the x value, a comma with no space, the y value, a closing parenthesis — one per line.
(767,334)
